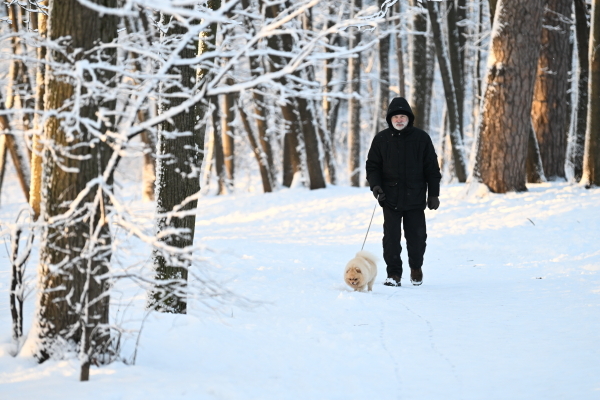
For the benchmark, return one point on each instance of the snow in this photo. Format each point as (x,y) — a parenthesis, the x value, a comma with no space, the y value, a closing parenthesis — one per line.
(509,307)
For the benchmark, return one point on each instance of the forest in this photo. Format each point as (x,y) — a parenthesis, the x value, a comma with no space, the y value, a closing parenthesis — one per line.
(179,100)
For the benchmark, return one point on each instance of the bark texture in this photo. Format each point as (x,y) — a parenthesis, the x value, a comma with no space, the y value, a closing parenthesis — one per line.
(591,159)
(76,250)
(577,142)
(179,159)
(37,149)
(506,118)
(550,111)
(422,68)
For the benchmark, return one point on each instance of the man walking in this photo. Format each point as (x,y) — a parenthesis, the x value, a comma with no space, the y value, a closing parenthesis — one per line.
(404,175)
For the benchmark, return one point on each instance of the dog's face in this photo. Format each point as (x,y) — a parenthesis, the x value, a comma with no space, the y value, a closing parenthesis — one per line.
(355,277)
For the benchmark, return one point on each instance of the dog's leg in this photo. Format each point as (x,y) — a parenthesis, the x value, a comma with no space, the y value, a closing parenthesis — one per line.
(371,285)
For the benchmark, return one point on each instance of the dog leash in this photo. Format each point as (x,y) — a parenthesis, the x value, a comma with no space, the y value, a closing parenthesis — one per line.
(364,241)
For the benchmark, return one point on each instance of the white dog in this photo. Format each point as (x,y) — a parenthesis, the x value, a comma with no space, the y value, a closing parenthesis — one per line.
(361,271)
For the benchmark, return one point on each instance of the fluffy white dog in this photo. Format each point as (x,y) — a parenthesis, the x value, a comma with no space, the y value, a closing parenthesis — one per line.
(361,271)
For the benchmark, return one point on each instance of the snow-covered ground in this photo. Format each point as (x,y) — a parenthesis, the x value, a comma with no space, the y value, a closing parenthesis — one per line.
(509,307)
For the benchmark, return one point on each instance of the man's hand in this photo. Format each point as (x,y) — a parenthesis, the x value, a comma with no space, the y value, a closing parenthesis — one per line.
(378,193)
(432,202)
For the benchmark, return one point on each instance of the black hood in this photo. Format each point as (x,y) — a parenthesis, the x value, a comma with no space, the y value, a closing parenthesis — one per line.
(399,105)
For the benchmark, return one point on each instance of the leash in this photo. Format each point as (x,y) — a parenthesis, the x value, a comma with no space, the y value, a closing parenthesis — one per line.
(363,246)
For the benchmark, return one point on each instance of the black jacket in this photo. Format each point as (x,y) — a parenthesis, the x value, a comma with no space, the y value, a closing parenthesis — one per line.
(403,163)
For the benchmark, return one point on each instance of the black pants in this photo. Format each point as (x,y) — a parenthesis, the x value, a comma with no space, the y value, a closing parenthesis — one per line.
(415,233)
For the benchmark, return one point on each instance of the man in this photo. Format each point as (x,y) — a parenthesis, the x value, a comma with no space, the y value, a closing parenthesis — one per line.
(402,168)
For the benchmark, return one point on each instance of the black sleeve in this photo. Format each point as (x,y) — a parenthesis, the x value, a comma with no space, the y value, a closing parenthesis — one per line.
(431,169)
(374,165)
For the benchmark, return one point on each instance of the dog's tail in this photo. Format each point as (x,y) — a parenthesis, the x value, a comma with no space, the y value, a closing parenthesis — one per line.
(367,255)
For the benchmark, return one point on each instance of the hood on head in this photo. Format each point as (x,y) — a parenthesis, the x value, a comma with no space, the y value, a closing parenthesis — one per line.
(399,105)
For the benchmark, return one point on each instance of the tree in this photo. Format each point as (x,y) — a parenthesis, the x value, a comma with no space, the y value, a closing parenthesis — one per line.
(399,50)
(577,142)
(450,92)
(422,68)
(550,111)
(506,117)
(354,66)
(76,245)
(591,159)
(384,74)
(179,159)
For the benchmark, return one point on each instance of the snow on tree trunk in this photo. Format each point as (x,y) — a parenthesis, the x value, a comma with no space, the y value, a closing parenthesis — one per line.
(535,168)
(75,247)
(456,54)
(506,112)
(591,159)
(179,159)
(577,141)
(449,90)
(550,111)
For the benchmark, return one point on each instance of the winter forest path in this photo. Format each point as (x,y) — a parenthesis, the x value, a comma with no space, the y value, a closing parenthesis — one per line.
(509,307)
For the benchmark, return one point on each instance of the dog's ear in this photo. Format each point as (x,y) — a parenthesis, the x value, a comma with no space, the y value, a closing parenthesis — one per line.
(358,270)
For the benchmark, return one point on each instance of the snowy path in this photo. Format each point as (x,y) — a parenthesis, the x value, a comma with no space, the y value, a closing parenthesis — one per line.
(509,308)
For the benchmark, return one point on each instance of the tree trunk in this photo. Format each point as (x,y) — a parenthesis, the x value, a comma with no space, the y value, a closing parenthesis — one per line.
(76,250)
(37,148)
(319,125)
(17,152)
(535,168)
(228,138)
(179,160)
(506,118)
(261,157)
(591,158)
(3,155)
(149,167)
(550,97)
(577,142)
(456,60)
(493,4)
(260,115)
(219,154)
(449,90)
(292,128)
(422,69)
(477,71)
(354,67)
(384,75)
(399,53)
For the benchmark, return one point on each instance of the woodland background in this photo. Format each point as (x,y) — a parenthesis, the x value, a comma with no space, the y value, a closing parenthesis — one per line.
(190,98)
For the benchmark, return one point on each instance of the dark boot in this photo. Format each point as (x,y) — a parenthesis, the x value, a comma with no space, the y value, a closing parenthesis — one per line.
(393,280)
(416,276)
